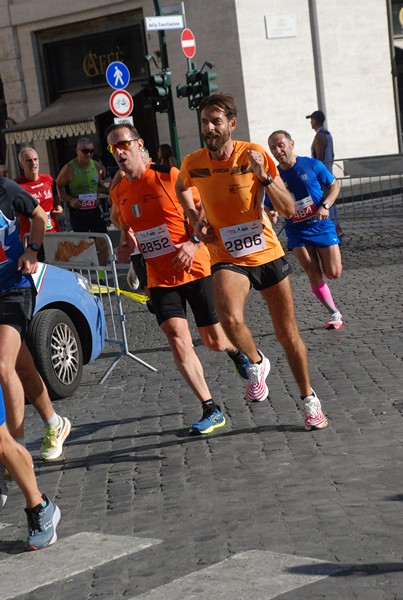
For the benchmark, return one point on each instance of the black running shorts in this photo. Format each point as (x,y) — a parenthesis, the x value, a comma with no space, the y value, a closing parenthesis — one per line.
(91,220)
(17,308)
(261,277)
(169,302)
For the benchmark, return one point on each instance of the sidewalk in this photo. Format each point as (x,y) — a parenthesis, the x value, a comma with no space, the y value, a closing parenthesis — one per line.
(261,483)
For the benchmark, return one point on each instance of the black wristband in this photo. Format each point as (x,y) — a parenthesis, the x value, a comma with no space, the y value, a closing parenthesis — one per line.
(267,181)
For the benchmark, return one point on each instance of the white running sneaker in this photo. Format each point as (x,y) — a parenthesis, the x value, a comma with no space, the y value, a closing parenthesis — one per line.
(314,417)
(335,321)
(3,487)
(52,445)
(256,388)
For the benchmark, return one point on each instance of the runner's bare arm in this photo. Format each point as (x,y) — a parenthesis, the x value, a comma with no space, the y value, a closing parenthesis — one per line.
(319,145)
(330,196)
(195,214)
(102,189)
(185,197)
(62,180)
(28,261)
(280,197)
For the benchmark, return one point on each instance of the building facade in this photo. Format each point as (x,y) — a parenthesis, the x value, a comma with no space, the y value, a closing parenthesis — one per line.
(281,59)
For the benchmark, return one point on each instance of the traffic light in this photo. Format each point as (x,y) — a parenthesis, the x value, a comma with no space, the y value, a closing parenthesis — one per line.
(182,91)
(192,90)
(193,79)
(208,87)
(198,85)
(158,88)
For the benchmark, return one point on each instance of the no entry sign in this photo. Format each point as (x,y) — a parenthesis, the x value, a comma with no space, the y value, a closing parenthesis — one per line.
(188,43)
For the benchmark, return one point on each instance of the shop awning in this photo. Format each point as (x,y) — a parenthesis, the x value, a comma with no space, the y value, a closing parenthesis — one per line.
(71,115)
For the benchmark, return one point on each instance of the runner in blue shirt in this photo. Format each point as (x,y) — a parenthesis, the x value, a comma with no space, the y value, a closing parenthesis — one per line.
(17,297)
(311,234)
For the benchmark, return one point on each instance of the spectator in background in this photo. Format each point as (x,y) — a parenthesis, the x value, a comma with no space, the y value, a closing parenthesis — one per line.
(3,170)
(166,156)
(322,149)
(41,187)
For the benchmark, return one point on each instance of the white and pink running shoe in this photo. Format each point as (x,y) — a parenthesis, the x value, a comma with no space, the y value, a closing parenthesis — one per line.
(314,417)
(256,388)
(335,321)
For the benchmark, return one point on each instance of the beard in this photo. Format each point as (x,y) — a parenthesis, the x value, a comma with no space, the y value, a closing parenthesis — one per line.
(216,142)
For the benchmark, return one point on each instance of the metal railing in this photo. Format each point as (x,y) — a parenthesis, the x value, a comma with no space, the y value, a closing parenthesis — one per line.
(92,255)
(370,187)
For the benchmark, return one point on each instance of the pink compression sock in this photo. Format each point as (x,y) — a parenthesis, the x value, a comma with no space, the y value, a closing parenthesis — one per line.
(324,295)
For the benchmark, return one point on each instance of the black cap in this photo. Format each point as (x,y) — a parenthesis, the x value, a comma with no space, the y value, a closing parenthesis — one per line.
(318,115)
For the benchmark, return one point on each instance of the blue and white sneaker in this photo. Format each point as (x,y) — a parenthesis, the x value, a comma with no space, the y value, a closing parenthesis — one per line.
(208,422)
(241,363)
(3,487)
(42,523)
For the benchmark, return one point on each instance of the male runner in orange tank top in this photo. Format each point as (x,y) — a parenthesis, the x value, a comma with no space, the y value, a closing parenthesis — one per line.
(231,177)
(178,265)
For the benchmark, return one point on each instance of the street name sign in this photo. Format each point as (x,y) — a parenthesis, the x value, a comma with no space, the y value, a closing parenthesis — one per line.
(164,22)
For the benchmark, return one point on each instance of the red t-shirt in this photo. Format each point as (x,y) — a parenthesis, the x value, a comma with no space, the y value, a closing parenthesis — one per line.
(43,190)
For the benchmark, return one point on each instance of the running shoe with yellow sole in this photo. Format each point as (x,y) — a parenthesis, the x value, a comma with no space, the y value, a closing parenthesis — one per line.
(52,445)
(209,422)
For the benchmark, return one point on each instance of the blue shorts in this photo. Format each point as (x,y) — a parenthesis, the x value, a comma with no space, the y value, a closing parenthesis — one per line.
(2,409)
(321,234)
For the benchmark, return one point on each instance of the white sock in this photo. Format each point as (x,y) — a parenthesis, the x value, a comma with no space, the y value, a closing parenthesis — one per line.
(53,421)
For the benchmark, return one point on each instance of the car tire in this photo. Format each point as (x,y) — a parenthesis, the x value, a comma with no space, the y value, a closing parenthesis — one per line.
(57,352)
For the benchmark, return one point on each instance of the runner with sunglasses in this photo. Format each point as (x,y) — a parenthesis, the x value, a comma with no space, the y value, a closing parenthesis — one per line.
(178,265)
(79,184)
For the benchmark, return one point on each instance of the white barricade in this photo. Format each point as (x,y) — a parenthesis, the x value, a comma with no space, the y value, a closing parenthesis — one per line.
(92,255)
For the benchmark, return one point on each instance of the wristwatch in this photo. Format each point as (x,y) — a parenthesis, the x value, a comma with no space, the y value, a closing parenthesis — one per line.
(267,181)
(193,238)
(34,246)
(325,205)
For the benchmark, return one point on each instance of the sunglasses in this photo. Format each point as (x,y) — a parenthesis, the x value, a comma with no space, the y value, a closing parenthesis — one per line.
(87,150)
(123,145)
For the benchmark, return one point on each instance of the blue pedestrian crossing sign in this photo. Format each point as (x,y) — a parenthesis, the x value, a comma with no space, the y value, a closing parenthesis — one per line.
(117,75)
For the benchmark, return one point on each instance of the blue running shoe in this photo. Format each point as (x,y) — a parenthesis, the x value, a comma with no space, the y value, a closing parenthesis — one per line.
(42,523)
(208,422)
(241,363)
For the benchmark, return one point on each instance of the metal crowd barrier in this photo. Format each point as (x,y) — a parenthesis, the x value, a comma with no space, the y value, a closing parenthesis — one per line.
(370,186)
(92,255)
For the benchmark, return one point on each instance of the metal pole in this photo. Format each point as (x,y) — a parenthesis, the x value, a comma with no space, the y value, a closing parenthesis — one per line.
(317,60)
(394,76)
(192,66)
(165,65)
(184,25)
